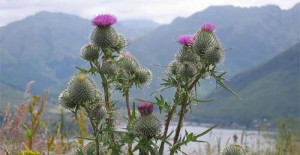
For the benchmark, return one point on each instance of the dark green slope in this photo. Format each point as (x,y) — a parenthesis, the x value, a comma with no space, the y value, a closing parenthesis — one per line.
(269,91)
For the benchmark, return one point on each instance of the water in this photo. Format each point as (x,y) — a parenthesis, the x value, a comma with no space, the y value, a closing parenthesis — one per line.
(219,138)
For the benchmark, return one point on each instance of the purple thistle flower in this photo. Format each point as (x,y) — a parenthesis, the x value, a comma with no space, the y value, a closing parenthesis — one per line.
(208,27)
(145,108)
(104,20)
(186,39)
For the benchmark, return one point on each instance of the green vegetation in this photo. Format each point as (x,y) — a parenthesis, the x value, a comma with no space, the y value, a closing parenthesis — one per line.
(269,91)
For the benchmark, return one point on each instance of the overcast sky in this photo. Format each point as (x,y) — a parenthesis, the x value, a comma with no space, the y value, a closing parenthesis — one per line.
(161,11)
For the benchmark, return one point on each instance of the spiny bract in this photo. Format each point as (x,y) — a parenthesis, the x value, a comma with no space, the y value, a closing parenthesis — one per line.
(128,63)
(148,126)
(82,89)
(214,55)
(234,150)
(186,70)
(90,52)
(143,77)
(104,37)
(109,68)
(204,40)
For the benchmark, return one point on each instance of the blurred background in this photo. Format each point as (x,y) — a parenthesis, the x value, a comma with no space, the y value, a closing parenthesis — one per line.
(41,40)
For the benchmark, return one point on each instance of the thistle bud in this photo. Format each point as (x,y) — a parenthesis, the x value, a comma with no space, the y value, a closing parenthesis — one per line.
(104,37)
(173,67)
(214,55)
(187,56)
(121,43)
(145,108)
(234,150)
(109,68)
(90,52)
(186,71)
(97,112)
(205,38)
(127,62)
(148,126)
(143,77)
(65,101)
(82,89)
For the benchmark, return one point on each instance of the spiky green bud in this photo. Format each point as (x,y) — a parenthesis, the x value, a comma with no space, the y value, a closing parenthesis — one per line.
(90,52)
(214,55)
(109,68)
(121,43)
(234,150)
(128,63)
(104,37)
(65,100)
(173,67)
(148,126)
(143,77)
(187,56)
(82,89)
(186,70)
(204,40)
(97,112)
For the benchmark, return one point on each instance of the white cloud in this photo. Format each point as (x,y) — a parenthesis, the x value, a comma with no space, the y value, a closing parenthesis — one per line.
(162,11)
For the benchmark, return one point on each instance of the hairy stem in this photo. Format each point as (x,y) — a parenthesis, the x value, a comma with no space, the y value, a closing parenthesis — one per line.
(183,108)
(167,124)
(126,92)
(181,116)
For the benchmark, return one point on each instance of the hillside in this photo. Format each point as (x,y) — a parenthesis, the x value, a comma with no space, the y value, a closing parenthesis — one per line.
(45,47)
(269,91)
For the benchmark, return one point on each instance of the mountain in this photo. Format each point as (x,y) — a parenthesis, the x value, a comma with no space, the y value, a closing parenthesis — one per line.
(45,48)
(250,35)
(269,91)
(134,29)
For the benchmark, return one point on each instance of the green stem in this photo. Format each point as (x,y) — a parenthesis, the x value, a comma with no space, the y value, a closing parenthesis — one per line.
(126,92)
(184,108)
(105,86)
(181,116)
(96,137)
(167,124)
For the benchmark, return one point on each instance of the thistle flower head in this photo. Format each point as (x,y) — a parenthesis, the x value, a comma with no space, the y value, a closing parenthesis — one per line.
(145,108)
(104,20)
(214,55)
(143,77)
(90,52)
(234,150)
(186,39)
(81,89)
(148,126)
(208,27)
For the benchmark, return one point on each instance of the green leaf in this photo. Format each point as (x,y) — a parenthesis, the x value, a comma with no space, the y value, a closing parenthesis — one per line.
(189,137)
(82,70)
(200,101)
(221,83)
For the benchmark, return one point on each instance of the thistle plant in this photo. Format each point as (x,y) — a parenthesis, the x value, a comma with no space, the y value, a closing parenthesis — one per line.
(119,70)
